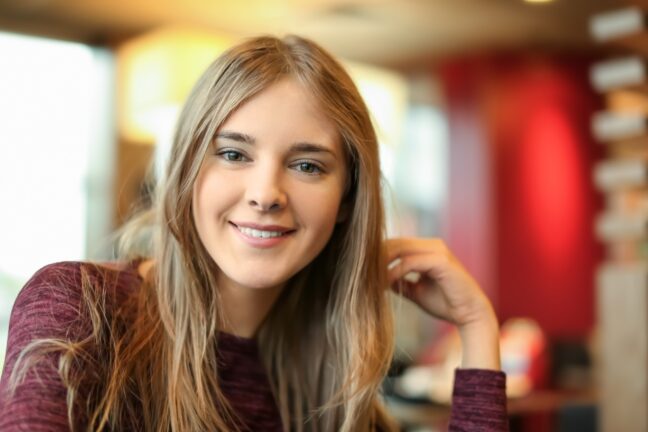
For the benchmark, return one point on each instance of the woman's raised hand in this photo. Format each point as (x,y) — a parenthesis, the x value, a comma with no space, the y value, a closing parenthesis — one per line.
(444,289)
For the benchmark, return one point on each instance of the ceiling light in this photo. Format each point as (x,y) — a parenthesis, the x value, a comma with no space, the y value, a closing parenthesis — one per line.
(157,70)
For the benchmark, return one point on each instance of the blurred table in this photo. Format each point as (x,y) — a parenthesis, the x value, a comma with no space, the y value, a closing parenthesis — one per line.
(429,416)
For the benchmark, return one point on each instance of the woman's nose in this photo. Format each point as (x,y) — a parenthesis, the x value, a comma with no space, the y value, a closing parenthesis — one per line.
(265,191)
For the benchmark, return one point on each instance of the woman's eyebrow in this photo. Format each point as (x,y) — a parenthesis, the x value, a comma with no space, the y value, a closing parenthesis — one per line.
(307,147)
(236,136)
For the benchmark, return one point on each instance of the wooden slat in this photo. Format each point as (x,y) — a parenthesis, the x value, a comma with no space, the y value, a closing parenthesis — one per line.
(625,28)
(623,317)
(615,174)
(628,72)
(616,226)
(617,24)
(617,126)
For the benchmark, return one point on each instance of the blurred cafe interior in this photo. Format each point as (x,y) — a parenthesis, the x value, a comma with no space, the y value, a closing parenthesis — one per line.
(514,130)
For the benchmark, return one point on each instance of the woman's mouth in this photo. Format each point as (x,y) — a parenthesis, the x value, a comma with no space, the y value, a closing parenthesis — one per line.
(260,233)
(262,236)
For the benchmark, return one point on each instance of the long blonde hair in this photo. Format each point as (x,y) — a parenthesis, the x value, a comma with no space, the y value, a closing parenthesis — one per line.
(327,342)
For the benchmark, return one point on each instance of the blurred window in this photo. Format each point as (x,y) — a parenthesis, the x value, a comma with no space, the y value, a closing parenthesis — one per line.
(50,96)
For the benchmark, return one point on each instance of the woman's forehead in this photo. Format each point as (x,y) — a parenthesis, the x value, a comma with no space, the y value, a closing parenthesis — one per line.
(285,110)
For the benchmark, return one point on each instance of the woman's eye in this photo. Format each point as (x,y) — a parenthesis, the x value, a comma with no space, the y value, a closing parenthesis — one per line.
(308,168)
(232,156)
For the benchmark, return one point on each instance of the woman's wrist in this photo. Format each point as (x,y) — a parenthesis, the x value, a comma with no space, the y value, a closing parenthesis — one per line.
(480,343)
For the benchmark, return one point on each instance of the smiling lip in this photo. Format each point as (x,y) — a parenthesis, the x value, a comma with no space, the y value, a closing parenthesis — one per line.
(260,227)
(262,243)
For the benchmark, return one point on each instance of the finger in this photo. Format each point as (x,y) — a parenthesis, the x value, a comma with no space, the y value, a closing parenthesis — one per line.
(435,302)
(403,246)
(404,288)
(406,284)
(431,264)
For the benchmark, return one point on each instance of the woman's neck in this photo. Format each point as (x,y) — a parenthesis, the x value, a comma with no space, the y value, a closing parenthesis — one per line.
(245,308)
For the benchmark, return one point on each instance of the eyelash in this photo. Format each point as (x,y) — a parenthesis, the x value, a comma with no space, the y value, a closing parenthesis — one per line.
(317,169)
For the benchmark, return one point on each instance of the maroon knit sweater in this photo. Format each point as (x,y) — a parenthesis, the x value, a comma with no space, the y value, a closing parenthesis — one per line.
(47,307)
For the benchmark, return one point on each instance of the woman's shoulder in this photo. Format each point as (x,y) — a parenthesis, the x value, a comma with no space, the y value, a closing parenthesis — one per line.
(50,308)
(62,281)
(53,295)
(53,285)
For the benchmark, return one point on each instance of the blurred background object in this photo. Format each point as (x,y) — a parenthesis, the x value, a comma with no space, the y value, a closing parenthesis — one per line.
(57,147)
(524,354)
(488,114)
(622,286)
(372,31)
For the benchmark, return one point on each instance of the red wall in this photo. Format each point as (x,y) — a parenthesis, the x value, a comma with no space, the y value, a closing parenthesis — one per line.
(522,203)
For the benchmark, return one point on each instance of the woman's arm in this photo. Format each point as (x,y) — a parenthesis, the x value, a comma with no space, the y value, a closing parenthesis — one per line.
(480,342)
(443,288)
(44,309)
(479,401)
(479,394)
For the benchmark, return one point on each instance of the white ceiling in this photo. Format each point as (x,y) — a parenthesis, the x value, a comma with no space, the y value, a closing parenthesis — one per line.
(387,32)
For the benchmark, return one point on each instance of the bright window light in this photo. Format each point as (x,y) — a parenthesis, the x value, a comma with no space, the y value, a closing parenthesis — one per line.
(47,124)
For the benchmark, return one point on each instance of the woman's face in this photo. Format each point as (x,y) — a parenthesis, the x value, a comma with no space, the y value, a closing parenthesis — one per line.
(269,190)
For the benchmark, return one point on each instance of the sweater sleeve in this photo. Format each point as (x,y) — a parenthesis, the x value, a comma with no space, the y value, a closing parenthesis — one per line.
(479,401)
(44,308)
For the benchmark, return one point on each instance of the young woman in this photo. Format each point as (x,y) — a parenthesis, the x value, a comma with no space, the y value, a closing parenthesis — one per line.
(259,301)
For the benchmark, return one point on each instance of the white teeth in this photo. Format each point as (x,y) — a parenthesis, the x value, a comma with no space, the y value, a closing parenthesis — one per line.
(258,233)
